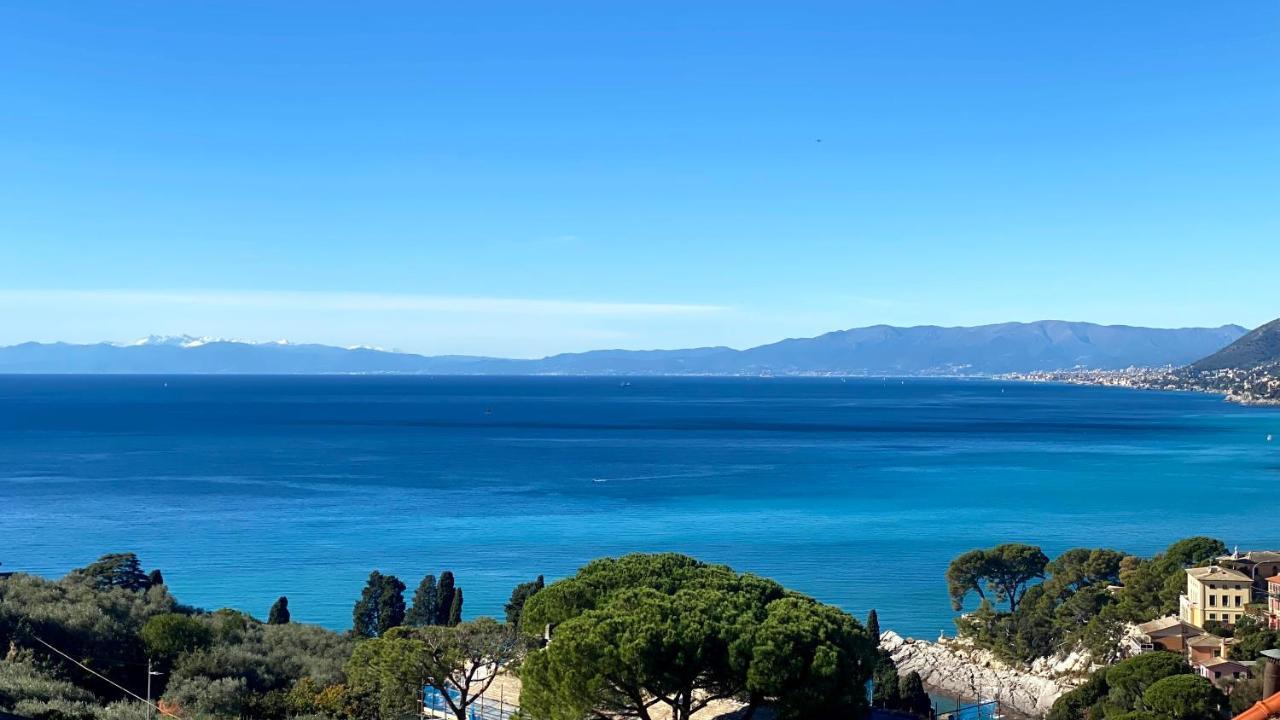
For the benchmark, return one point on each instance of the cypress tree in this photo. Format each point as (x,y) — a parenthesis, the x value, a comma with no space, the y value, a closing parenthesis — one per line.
(155,577)
(279,614)
(885,691)
(444,597)
(913,697)
(873,626)
(455,609)
(425,604)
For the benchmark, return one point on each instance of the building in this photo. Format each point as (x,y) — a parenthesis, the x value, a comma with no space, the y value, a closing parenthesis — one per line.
(1207,648)
(1273,602)
(1214,594)
(1257,564)
(1220,672)
(1166,633)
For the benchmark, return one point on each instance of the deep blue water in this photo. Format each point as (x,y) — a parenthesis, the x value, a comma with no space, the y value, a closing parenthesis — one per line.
(859,492)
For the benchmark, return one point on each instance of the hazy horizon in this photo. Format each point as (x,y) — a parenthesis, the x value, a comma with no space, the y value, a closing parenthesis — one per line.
(198,338)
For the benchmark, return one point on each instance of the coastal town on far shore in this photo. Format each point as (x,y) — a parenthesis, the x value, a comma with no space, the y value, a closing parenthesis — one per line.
(1252,386)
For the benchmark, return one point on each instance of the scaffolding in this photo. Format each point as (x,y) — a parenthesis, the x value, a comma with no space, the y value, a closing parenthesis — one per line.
(988,710)
(482,708)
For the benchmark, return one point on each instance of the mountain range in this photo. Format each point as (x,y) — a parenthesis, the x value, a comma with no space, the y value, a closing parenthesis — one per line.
(875,350)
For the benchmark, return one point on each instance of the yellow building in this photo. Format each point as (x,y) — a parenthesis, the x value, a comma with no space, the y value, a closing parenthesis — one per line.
(1214,594)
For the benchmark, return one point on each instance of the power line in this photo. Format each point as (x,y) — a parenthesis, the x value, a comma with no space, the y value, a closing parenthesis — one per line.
(115,684)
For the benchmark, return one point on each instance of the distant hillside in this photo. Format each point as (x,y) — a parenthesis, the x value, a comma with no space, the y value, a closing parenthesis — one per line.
(1259,347)
(877,350)
(988,349)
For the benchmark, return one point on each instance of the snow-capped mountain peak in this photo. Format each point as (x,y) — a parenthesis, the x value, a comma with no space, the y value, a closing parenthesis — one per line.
(167,341)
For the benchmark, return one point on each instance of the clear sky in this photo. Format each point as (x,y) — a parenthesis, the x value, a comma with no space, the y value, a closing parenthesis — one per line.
(523,178)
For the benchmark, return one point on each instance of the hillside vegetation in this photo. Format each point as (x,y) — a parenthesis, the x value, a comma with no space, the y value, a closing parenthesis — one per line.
(1257,348)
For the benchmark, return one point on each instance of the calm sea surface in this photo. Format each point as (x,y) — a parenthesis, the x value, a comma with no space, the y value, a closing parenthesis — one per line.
(859,493)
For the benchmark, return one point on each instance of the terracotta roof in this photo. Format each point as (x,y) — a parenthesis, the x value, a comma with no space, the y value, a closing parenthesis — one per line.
(1223,661)
(1206,640)
(1262,710)
(1165,623)
(1274,579)
(1213,572)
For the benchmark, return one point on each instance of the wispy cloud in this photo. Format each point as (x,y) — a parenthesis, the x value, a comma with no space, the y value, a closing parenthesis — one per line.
(355,301)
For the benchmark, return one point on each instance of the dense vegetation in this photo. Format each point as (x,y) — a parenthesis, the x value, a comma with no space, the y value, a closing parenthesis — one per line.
(667,630)
(111,619)
(1031,607)
(1154,686)
(628,633)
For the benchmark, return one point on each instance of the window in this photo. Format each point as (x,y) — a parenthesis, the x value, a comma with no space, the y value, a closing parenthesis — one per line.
(1212,586)
(1213,601)
(1213,616)
(1238,599)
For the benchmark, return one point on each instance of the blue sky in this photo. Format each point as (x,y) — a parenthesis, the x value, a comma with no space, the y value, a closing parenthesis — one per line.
(523,178)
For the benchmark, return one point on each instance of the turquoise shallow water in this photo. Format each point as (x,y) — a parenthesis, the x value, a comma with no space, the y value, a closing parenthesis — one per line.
(859,493)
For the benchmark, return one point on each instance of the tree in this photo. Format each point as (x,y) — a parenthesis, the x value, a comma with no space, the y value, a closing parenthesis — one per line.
(279,614)
(644,630)
(967,573)
(380,607)
(806,659)
(455,608)
(460,663)
(168,636)
(1079,704)
(1128,680)
(424,609)
(914,698)
(444,598)
(116,570)
(1007,569)
(885,686)
(519,596)
(1193,551)
(1010,567)
(873,625)
(155,577)
(1185,697)
(1078,568)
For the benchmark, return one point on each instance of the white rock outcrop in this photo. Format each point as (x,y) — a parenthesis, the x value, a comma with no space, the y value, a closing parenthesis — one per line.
(957,669)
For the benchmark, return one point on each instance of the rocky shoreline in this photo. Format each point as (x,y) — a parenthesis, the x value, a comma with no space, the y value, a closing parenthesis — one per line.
(955,668)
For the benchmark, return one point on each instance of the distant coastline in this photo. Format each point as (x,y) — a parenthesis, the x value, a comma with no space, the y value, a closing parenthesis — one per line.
(1259,387)
(874,351)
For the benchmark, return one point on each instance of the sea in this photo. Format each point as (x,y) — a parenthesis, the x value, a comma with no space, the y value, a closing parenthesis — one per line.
(855,491)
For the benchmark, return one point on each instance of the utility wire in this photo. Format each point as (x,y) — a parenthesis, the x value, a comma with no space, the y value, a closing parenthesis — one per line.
(122,688)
